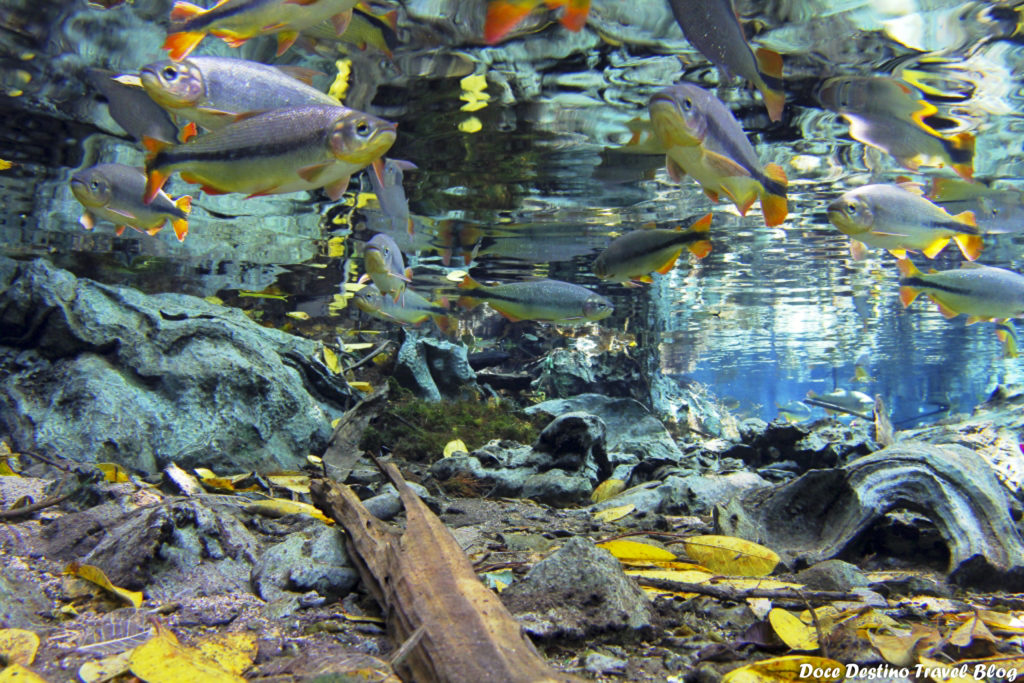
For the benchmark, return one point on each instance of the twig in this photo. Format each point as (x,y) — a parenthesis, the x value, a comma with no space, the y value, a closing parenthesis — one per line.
(26,510)
(368,358)
(817,624)
(735,595)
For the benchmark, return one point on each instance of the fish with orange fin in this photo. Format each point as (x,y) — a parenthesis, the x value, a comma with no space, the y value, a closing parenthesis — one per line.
(385,265)
(284,150)
(504,15)
(113,192)
(635,255)
(236,21)
(891,116)
(386,179)
(706,141)
(900,219)
(713,27)
(552,301)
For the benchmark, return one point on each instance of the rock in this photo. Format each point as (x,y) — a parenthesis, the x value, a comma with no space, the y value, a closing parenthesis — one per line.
(597,663)
(309,560)
(832,575)
(576,442)
(111,374)
(557,488)
(569,372)
(22,602)
(579,591)
(630,427)
(693,495)
(823,513)
(434,368)
(387,505)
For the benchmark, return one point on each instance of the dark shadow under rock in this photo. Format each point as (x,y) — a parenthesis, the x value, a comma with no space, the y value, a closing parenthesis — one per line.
(579,591)
(823,513)
(109,374)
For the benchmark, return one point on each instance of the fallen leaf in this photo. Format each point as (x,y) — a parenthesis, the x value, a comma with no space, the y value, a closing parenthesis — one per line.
(100,670)
(670,575)
(331,360)
(615,513)
(113,473)
(729,555)
(233,652)
(279,507)
(901,649)
(972,629)
(944,672)
(792,631)
(18,646)
(608,488)
(6,456)
(634,550)
(364,387)
(164,660)
(16,673)
(360,346)
(788,668)
(454,446)
(95,575)
(296,482)
(1002,622)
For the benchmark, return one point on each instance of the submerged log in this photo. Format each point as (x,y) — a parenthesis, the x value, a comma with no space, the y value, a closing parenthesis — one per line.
(429,592)
(823,513)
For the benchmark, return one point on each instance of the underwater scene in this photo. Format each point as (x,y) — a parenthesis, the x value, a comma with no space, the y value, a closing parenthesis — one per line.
(751,207)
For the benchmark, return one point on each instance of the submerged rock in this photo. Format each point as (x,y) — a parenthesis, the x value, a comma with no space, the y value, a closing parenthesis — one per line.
(101,373)
(434,369)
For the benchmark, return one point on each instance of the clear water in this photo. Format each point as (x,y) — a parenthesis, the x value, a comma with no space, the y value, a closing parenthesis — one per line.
(541,187)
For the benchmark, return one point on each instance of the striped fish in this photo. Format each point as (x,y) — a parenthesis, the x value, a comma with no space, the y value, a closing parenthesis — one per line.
(635,255)
(113,192)
(386,266)
(412,310)
(545,300)
(285,150)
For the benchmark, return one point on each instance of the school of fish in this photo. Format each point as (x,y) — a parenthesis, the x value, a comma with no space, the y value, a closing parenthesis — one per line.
(231,125)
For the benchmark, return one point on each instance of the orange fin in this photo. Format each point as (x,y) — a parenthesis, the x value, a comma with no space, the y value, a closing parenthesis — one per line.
(970,245)
(180,226)
(468,302)
(769,63)
(184,203)
(340,21)
(285,39)
(179,45)
(945,310)
(775,207)
(211,190)
(503,16)
(234,41)
(700,248)
(933,249)
(183,11)
(87,221)
(907,268)
(575,15)
(154,146)
(964,142)
(119,229)
(152,232)
(188,132)
(711,194)
(907,295)
(311,173)
(508,316)
(858,250)
(155,180)
(336,189)
(468,283)
(703,224)
(667,267)
(675,171)
(967,218)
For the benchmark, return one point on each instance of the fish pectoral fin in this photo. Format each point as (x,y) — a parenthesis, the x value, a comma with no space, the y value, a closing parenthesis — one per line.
(227,116)
(311,173)
(336,189)
(263,193)
(285,39)
(711,194)
(122,212)
(970,245)
(234,41)
(945,310)
(723,165)
(340,21)
(180,226)
(858,250)
(87,221)
(153,231)
(211,190)
(119,229)
(933,249)
(300,73)
(675,171)
(670,263)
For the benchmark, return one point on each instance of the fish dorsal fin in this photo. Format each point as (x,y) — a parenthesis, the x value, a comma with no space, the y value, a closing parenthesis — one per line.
(300,73)
(911,186)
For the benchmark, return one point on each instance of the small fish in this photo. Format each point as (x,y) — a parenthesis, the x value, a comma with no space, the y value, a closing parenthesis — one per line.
(980,292)
(504,15)
(705,140)
(898,218)
(843,401)
(889,115)
(386,177)
(713,27)
(794,412)
(236,21)
(996,211)
(366,30)
(635,255)
(386,266)
(285,150)
(131,107)
(413,309)
(214,91)
(113,192)
(545,300)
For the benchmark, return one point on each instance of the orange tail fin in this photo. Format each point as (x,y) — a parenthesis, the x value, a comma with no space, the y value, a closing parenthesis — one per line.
(774,206)
(179,45)
(503,16)
(154,183)
(769,63)
(180,226)
(575,15)
(183,11)
(970,245)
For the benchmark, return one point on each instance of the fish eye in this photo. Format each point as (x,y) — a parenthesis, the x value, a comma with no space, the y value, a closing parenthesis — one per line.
(362,128)
(94,185)
(850,208)
(687,105)
(170,73)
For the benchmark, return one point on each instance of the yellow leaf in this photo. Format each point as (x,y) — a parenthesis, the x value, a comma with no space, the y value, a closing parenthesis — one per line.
(666,564)
(747,583)
(331,360)
(901,649)
(4,164)
(233,652)
(759,607)
(297,483)
(95,575)
(634,550)
(16,673)
(1002,622)
(279,507)
(164,660)
(364,387)
(792,631)
(18,646)
(360,346)
(615,513)
(972,629)
(729,555)
(6,455)
(607,489)
(787,669)
(100,670)
(113,472)
(946,672)
(689,576)
(454,446)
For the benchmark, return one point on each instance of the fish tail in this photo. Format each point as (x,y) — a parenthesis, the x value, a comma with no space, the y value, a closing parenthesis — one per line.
(907,271)
(503,16)
(180,226)
(183,11)
(769,64)
(703,224)
(773,200)
(574,16)
(960,148)
(970,245)
(1008,336)
(184,203)
(179,45)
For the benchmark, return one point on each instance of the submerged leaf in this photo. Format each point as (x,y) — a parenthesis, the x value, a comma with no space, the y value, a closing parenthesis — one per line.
(16,673)
(634,550)
(164,660)
(116,632)
(95,575)
(113,473)
(18,646)
(279,507)
(232,652)
(608,488)
(729,555)
(100,670)
(615,513)
(454,446)
(792,631)
(331,360)
(789,668)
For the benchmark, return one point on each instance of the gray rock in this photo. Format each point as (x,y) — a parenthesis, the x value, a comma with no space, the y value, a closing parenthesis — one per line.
(111,374)
(434,368)
(387,504)
(686,495)
(309,560)
(833,575)
(557,488)
(576,442)
(568,372)
(597,663)
(630,426)
(578,591)
(22,603)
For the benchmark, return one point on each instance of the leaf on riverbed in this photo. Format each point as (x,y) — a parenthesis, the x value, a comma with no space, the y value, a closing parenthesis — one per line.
(331,360)
(6,456)
(786,669)
(116,632)
(113,473)
(793,632)
(101,670)
(972,629)
(185,482)
(95,575)
(279,507)
(164,660)
(233,652)
(18,646)
(296,482)
(16,673)
(729,555)
(634,550)
(901,649)
(615,513)
(608,488)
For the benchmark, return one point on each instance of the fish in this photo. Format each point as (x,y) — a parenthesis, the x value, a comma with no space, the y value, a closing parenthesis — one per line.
(365,30)
(635,255)
(113,192)
(214,91)
(544,300)
(889,115)
(413,310)
(794,412)
(713,27)
(996,211)
(386,178)
(284,150)
(236,21)
(900,219)
(843,401)
(386,266)
(705,140)
(131,107)
(504,15)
